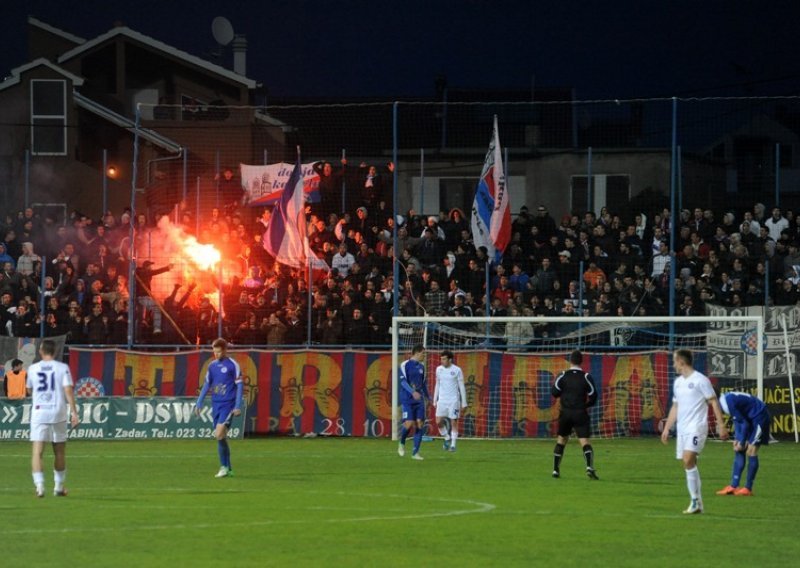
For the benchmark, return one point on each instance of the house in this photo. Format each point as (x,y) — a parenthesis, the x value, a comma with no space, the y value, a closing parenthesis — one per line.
(128,101)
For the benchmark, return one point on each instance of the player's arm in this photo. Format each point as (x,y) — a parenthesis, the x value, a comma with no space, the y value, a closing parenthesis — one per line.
(203,392)
(592,394)
(722,431)
(673,414)
(425,394)
(69,394)
(237,408)
(404,381)
(436,391)
(556,390)
(462,389)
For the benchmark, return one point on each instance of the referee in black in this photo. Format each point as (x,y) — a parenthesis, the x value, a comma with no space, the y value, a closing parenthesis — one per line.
(577,392)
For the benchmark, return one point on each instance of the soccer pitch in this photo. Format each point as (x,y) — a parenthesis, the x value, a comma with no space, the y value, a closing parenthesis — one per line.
(355,502)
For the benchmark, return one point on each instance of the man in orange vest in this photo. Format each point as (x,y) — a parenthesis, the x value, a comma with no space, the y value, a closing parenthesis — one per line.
(14,385)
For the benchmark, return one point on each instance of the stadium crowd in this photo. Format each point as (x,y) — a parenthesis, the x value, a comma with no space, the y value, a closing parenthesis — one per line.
(733,259)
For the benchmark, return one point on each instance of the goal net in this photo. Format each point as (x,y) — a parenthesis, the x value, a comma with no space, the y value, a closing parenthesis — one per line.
(510,364)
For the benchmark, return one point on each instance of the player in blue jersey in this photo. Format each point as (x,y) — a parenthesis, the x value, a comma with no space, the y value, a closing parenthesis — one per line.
(224,381)
(750,431)
(413,394)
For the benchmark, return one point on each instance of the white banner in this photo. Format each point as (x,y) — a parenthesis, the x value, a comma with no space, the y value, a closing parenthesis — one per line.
(263,185)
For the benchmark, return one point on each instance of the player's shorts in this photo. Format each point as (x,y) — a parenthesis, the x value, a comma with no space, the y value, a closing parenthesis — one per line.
(55,433)
(413,411)
(223,413)
(578,420)
(755,433)
(448,409)
(692,442)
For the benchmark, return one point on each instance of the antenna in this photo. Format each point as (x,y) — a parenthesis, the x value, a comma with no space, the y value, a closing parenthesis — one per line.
(222,30)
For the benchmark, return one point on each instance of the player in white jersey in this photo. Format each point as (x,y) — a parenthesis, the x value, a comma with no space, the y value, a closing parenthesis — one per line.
(692,395)
(449,398)
(50,386)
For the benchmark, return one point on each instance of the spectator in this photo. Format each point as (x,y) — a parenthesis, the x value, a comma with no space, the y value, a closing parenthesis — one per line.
(519,332)
(343,261)
(144,278)
(503,291)
(14,385)
(776,224)
(27,260)
(5,257)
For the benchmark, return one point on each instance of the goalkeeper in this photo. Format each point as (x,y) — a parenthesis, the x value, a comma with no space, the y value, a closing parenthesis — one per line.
(577,392)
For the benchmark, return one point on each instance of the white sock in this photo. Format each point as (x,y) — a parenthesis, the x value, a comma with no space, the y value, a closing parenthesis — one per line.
(693,482)
(453,438)
(444,431)
(38,480)
(60,477)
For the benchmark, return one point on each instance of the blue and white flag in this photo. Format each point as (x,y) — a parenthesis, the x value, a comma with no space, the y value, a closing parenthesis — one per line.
(491,210)
(285,237)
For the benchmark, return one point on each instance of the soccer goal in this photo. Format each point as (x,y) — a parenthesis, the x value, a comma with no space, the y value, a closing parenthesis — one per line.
(510,363)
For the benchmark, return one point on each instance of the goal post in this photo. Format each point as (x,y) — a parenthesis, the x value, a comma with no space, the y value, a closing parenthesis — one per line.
(510,363)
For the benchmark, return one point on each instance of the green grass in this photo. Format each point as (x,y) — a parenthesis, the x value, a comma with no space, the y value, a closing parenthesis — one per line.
(354,502)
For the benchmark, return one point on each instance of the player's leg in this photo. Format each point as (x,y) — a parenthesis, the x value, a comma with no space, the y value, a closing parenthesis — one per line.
(759,436)
(418,414)
(443,422)
(588,457)
(453,428)
(740,435)
(406,428)
(693,484)
(221,414)
(60,468)
(583,429)
(564,431)
(37,450)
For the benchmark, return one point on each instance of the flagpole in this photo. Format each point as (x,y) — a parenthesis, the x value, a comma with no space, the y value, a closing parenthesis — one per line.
(310,300)
(395,241)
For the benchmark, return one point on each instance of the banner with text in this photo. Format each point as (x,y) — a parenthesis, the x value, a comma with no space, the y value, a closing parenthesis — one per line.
(348,393)
(264,185)
(123,418)
(731,354)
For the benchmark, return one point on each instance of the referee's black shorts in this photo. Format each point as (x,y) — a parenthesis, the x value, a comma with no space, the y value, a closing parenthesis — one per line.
(574,419)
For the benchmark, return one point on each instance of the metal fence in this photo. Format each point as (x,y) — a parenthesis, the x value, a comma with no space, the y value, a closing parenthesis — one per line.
(632,165)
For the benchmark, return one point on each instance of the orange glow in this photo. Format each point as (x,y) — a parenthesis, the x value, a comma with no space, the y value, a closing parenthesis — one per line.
(205,257)
(112,172)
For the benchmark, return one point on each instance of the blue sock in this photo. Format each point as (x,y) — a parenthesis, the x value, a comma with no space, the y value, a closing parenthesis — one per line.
(752,469)
(417,439)
(224,453)
(738,468)
(403,435)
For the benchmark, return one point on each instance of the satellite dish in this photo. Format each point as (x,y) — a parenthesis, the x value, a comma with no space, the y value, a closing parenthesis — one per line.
(222,30)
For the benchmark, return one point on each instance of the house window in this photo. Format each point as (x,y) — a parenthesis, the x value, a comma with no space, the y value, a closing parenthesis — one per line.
(612,191)
(49,117)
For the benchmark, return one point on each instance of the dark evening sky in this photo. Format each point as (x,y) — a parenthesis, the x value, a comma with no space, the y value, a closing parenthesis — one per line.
(354,48)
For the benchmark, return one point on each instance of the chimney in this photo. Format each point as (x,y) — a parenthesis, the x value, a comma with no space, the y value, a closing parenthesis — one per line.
(239,47)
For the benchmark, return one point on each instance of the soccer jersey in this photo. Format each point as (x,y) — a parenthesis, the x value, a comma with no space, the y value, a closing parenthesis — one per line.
(692,394)
(221,377)
(412,379)
(576,389)
(47,380)
(742,407)
(449,386)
